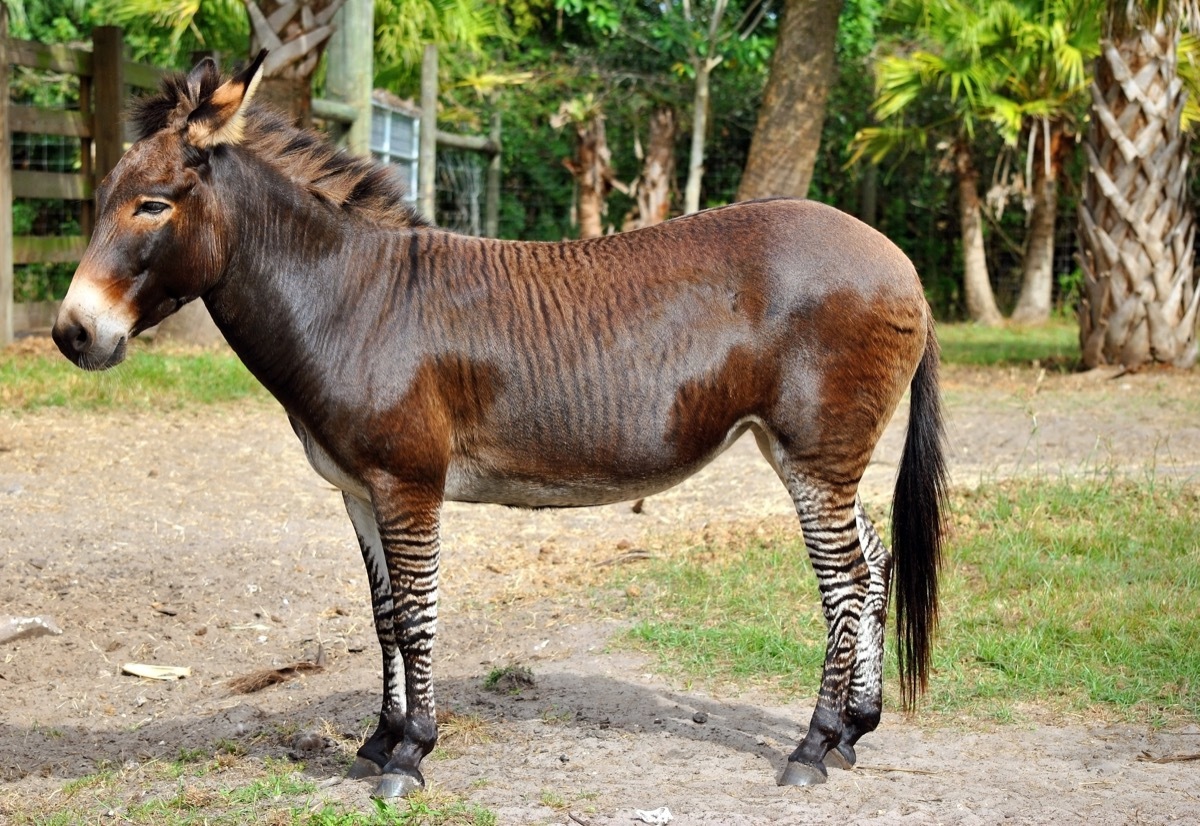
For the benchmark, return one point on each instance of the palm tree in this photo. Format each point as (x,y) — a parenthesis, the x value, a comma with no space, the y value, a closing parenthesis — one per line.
(296,35)
(940,95)
(1021,67)
(1053,43)
(1136,227)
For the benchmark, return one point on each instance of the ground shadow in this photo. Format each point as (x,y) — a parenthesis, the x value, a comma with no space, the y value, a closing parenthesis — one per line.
(585,703)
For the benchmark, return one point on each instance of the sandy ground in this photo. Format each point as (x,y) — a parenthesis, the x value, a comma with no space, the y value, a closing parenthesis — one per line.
(201,538)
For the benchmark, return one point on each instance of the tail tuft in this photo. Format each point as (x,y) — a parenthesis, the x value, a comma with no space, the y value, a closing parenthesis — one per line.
(917,526)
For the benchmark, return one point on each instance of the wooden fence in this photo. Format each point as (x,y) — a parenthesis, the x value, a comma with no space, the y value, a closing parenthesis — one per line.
(105,75)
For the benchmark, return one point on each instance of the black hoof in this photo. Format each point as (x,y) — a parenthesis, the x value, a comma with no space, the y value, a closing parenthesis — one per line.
(841,757)
(394,785)
(363,767)
(802,774)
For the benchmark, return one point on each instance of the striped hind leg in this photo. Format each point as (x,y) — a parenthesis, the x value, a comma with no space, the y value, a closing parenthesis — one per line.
(865,704)
(828,518)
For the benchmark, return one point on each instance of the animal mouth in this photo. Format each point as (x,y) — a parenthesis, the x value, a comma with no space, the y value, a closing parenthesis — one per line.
(92,361)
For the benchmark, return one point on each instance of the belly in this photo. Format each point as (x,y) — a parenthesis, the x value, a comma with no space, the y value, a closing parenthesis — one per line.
(572,481)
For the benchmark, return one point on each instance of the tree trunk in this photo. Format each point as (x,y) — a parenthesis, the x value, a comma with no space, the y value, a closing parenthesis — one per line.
(1135,223)
(290,95)
(784,148)
(593,174)
(1037,277)
(691,193)
(654,188)
(977,286)
(296,34)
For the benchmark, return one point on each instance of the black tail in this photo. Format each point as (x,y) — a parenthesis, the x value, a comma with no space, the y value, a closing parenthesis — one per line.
(917,526)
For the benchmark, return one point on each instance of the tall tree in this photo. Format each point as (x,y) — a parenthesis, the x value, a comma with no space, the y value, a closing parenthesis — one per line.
(1136,227)
(1053,44)
(654,186)
(940,95)
(788,134)
(591,165)
(706,31)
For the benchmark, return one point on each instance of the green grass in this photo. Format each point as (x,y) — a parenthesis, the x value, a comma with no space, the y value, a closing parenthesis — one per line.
(1076,596)
(149,379)
(1055,344)
(246,792)
(420,809)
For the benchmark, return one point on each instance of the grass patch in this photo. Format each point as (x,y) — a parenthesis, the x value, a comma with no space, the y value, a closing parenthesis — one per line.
(150,378)
(1073,595)
(1054,344)
(250,793)
(425,808)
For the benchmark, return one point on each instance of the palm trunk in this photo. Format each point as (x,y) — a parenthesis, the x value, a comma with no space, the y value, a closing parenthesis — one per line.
(977,286)
(1037,279)
(296,35)
(1135,223)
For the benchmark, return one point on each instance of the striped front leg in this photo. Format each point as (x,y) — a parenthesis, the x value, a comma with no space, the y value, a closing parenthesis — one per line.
(827,518)
(404,579)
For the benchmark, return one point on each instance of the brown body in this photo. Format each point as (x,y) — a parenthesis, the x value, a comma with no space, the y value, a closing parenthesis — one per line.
(419,366)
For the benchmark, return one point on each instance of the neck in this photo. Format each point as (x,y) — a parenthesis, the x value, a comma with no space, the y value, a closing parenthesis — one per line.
(286,286)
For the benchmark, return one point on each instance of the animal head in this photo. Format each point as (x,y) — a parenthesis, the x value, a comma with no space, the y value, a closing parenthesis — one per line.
(158,241)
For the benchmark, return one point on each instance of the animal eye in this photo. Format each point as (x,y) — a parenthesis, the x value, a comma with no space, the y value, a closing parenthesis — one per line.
(151,208)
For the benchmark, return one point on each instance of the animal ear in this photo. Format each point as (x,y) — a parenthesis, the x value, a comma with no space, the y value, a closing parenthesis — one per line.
(220,114)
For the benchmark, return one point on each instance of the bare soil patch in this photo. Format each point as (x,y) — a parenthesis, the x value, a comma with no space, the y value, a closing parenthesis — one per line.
(200,538)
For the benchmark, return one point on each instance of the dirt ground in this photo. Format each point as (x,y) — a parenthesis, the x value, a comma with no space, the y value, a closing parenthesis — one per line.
(200,538)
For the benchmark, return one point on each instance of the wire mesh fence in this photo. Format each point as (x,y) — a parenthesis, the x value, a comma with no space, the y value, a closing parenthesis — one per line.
(45,153)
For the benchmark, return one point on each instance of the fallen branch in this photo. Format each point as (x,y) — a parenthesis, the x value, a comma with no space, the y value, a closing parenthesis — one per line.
(631,556)
(258,680)
(1147,757)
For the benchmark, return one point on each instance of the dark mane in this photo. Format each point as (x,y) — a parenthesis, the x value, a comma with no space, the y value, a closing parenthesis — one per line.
(362,187)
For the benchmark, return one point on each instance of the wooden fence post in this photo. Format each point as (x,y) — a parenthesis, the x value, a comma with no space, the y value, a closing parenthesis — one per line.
(6,226)
(350,69)
(108,81)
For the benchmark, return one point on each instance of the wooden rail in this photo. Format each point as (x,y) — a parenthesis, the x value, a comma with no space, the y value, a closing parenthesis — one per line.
(105,77)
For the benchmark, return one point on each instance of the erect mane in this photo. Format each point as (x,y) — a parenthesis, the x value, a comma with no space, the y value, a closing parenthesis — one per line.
(362,187)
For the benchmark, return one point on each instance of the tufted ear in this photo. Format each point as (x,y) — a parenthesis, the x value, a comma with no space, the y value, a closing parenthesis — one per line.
(219,116)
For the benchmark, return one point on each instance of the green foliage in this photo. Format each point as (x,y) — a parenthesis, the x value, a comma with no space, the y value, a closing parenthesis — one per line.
(168,32)
(957,74)
(631,58)
(462,29)
(1066,594)
(421,809)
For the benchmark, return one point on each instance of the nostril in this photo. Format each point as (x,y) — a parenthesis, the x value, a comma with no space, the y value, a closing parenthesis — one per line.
(78,337)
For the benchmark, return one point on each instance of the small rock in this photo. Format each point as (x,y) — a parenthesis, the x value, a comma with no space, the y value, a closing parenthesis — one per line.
(562,758)
(700,717)
(310,741)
